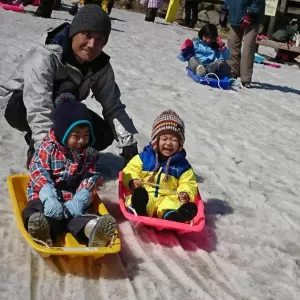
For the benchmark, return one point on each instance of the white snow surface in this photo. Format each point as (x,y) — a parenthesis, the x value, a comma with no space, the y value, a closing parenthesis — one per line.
(250,247)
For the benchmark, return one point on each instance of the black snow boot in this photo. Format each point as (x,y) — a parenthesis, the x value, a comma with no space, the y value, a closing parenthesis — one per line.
(186,212)
(139,201)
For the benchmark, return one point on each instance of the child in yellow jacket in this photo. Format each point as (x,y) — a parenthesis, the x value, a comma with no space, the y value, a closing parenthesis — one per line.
(162,181)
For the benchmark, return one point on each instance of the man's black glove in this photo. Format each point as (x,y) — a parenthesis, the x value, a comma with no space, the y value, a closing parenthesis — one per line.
(129,152)
(223,18)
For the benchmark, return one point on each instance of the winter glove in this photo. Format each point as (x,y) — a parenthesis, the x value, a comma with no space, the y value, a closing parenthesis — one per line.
(187,49)
(223,20)
(52,207)
(221,44)
(246,21)
(77,206)
(129,152)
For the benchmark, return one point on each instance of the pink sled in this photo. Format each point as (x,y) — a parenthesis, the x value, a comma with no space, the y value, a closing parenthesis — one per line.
(196,226)
(16,8)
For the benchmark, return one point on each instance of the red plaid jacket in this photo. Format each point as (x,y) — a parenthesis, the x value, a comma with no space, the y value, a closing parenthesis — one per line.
(63,169)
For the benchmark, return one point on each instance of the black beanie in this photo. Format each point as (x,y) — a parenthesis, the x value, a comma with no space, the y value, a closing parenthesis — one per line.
(91,17)
(68,114)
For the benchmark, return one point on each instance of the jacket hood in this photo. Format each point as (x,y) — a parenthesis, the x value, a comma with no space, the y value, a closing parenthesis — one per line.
(57,40)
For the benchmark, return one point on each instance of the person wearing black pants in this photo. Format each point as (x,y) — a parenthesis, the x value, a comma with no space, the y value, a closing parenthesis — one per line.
(191,13)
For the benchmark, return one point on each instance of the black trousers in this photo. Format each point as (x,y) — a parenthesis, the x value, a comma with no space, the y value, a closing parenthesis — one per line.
(151,14)
(45,9)
(75,225)
(16,116)
(191,13)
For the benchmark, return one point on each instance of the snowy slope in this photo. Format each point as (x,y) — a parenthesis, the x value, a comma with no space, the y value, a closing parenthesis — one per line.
(250,248)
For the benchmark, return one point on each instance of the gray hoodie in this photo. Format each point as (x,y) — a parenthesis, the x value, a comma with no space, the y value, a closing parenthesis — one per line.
(43,69)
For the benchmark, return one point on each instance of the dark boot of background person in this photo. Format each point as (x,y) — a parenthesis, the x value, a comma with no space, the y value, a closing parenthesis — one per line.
(45,9)
(73,10)
(57,5)
(151,14)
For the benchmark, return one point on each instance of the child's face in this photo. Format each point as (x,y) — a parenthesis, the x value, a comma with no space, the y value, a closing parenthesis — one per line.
(168,144)
(79,138)
(207,40)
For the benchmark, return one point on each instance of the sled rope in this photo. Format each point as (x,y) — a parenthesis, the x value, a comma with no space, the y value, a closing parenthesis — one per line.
(160,186)
(231,79)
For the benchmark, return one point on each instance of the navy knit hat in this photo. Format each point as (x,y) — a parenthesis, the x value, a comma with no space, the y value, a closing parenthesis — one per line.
(91,17)
(68,114)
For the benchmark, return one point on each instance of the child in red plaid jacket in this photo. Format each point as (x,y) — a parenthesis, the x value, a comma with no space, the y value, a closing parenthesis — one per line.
(64,172)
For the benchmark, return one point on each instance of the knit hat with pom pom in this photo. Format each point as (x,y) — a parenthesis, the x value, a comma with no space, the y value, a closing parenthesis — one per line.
(167,121)
(68,114)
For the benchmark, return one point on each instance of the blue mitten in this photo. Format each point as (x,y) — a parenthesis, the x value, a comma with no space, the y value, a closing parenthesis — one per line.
(79,203)
(52,207)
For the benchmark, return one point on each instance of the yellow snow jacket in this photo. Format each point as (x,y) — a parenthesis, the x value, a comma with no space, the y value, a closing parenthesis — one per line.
(162,195)
(104,3)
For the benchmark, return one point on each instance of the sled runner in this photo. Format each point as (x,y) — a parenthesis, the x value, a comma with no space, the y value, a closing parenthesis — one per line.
(196,225)
(66,244)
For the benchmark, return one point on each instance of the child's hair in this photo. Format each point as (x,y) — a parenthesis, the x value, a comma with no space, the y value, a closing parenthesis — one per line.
(211,31)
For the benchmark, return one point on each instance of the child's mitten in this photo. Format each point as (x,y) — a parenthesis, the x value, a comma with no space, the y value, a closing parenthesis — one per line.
(245,22)
(52,207)
(221,44)
(187,49)
(81,200)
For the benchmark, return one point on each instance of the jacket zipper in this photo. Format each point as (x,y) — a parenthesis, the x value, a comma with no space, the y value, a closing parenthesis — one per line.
(157,187)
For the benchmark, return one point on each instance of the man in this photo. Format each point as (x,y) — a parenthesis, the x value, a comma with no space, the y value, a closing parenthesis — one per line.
(245,17)
(69,59)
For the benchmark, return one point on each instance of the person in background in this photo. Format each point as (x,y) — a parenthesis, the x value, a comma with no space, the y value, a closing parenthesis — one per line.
(244,17)
(191,13)
(106,5)
(207,53)
(152,8)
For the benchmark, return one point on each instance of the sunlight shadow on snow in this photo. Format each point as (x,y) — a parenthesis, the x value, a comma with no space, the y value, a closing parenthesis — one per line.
(205,240)
(87,267)
(273,87)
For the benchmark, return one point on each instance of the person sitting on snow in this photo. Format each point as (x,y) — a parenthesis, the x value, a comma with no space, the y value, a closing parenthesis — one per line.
(69,58)
(207,53)
(64,172)
(162,182)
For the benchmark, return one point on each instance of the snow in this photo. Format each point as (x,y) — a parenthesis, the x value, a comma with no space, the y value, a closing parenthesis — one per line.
(244,147)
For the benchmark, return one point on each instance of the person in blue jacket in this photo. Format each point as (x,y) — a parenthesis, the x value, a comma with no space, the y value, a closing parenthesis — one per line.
(207,53)
(244,17)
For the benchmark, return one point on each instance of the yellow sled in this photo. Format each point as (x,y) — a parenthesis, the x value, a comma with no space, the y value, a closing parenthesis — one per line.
(171,13)
(67,244)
